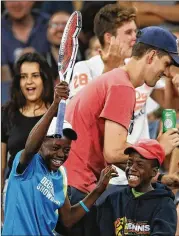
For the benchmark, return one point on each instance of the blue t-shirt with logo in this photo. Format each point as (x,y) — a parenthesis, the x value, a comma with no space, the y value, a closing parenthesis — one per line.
(33,198)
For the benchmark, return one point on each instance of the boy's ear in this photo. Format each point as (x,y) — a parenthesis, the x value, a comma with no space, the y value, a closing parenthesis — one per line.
(154,171)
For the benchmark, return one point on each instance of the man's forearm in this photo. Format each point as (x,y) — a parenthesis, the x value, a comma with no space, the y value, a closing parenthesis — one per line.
(169,13)
(117,157)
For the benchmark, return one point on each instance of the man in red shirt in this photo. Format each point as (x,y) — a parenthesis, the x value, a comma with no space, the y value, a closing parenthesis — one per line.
(101,113)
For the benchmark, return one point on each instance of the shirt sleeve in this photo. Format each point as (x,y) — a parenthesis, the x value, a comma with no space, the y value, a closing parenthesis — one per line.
(64,177)
(80,78)
(28,172)
(165,221)
(119,105)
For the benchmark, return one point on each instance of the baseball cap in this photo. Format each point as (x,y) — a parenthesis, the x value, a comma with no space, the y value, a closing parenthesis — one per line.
(149,149)
(67,130)
(160,38)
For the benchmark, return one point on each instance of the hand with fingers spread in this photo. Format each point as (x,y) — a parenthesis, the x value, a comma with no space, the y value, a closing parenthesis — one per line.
(169,140)
(61,91)
(115,55)
(106,174)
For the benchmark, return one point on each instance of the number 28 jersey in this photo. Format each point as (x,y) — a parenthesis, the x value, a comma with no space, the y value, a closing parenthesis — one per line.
(84,72)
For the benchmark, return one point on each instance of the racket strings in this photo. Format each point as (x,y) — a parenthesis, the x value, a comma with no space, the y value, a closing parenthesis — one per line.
(67,48)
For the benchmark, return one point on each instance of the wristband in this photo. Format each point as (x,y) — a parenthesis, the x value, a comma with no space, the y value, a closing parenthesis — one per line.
(84,206)
(159,178)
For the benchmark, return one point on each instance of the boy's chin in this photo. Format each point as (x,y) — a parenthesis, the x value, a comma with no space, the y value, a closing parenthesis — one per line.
(133,184)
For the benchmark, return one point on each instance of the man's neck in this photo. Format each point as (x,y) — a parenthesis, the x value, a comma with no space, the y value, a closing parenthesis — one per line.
(26,22)
(135,70)
(22,28)
(34,108)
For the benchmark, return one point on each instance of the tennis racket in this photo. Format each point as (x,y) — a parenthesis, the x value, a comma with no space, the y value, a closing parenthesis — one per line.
(67,56)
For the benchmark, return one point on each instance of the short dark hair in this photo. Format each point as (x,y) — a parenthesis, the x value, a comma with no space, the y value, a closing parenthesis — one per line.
(18,100)
(109,18)
(140,49)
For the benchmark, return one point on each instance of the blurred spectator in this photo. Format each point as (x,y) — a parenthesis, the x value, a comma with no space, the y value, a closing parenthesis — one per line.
(31,95)
(51,7)
(163,13)
(23,30)
(94,46)
(154,123)
(55,30)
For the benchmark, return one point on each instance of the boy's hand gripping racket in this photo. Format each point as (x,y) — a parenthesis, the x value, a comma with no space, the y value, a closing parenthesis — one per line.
(67,56)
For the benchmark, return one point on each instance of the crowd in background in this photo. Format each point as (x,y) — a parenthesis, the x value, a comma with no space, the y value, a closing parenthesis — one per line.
(30,27)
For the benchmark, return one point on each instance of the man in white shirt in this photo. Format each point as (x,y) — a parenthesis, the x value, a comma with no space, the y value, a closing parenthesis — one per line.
(116,50)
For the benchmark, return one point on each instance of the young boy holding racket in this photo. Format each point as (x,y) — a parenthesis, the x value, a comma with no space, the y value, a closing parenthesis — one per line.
(141,208)
(37,189)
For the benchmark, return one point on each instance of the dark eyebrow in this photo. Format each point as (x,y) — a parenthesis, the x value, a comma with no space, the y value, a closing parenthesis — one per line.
(31,73)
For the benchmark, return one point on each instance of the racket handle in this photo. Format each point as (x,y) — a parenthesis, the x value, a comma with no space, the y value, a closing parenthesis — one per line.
(60,117)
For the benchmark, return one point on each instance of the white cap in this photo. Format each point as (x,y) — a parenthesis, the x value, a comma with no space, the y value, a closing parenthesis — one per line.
(67,129)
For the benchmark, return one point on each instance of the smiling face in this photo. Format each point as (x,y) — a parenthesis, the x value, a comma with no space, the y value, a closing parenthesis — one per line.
(55,152)
(157,66)
(56,27)
(139,172)
(31,83)
(127,34)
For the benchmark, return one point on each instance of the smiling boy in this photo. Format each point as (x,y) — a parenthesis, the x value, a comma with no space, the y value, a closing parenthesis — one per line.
(141,208)
(37,188)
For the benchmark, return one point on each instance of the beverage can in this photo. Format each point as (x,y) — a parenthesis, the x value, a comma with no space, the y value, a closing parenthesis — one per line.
(168,119)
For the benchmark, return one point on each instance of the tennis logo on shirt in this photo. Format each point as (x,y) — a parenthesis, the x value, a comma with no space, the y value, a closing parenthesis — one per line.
(126,226)
(46,188)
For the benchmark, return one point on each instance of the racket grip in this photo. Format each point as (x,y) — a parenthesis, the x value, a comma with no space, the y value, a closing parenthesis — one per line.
(60,118)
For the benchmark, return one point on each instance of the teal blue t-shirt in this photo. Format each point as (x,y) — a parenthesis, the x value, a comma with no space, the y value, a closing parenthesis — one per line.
(33,198)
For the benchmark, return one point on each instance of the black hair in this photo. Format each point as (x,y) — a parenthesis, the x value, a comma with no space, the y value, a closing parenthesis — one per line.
(17,99)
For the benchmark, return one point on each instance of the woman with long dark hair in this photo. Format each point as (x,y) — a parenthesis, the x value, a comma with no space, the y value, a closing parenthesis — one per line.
(31,95)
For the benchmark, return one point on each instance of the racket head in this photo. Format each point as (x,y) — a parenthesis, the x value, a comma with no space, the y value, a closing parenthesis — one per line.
(67,55)
(69,43)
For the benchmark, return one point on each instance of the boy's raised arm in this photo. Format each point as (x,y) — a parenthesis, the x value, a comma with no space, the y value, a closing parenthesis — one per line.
(39,131)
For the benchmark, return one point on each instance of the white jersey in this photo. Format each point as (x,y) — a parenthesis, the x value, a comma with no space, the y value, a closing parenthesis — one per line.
(86,71)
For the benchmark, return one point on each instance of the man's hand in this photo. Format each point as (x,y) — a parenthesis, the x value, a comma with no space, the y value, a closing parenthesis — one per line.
(106,174)
(169,140)
(171,180)
(115,55)
(175,82)
(61,91)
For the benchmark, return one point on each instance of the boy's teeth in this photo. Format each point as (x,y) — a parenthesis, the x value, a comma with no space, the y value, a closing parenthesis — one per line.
(57,162)
(133,177)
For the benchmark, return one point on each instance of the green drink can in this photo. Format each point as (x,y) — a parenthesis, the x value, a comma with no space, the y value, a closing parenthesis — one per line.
(168,119)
